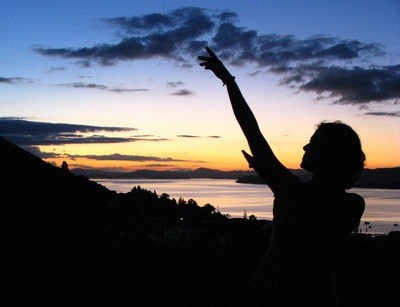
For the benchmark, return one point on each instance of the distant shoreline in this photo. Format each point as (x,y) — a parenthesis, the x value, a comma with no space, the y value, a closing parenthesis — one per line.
(380,178)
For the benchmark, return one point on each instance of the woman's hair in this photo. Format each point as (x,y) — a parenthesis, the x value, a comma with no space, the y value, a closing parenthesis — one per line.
(340,153)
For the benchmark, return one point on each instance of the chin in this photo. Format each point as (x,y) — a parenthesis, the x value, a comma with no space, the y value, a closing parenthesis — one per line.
(306,166)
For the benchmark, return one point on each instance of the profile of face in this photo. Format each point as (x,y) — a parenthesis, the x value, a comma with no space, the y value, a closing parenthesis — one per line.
(322,153)
(307,160)
(334,152)
(310,155)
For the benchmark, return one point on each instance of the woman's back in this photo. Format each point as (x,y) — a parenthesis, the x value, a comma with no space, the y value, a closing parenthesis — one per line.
(310,228)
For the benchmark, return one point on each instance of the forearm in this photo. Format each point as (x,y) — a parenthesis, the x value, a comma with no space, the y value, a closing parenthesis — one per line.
(242,111)
(263,159)
(247,121)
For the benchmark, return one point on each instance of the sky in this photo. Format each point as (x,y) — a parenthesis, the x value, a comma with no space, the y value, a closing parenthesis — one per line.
(116,85)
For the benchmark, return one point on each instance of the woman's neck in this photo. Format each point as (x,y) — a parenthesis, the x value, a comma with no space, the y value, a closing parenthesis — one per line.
(326,183)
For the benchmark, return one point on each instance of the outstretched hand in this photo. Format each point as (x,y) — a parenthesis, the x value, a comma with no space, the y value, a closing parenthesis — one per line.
(215,65)
(249,158)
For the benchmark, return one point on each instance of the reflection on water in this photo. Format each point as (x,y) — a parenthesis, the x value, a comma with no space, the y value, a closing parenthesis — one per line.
(226,195)
(382,206)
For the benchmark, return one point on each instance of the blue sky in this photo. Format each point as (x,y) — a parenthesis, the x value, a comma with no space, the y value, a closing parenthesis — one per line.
(63,62)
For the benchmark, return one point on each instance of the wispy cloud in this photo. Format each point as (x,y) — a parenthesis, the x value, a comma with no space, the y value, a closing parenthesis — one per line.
(111,157)
(131,158)
(54,69)
(390,114)
(183,92)
(160,165)
(213,137)
(175,84)
(41,154)
(189,136)
(331,67)
(14,80)
(82,85)
(32,133)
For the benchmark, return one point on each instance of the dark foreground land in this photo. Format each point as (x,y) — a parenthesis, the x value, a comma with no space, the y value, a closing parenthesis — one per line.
(65,239)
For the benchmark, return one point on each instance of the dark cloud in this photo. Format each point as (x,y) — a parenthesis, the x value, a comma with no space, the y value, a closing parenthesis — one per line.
(175,84)
(85,85)
(183,92)
(350,86)
(148,36)
(30,133)
(146,22)
(160,165)
(72,139)
(112,157)
(43,155)
(197,136)
(131,158)
(390,114)
(103,87)
(84,77)
(12,80)
(87,167)
(54,69)
(226,16)
(326,65)
(21,126)
(213,137)
(187,136)
(255,73)
(127,90)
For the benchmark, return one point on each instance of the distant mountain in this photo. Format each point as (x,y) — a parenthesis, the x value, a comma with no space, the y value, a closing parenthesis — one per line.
(151,174)
(380,178)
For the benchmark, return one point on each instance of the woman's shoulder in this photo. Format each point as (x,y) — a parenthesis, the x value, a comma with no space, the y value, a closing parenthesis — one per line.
(356,202)
(355,199)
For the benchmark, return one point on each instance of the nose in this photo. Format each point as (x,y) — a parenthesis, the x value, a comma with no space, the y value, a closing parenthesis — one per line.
(306,146)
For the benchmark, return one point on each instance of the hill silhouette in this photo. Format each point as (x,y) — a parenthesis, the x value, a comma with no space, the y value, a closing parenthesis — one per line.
(152,174)
(37,180)
(66,239)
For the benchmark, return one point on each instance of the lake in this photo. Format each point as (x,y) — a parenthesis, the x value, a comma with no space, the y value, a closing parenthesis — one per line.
(382,206)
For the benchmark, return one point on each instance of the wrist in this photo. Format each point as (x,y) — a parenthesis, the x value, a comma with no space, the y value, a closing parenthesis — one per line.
(228,79)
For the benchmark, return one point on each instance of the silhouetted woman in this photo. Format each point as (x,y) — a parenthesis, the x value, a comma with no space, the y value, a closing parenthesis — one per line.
(311,220)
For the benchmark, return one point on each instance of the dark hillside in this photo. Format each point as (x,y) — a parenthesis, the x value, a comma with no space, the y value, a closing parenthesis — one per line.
(48,220)
(29,173)
(67,240)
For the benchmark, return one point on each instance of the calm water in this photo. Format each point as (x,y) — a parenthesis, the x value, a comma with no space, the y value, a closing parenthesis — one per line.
(382,206)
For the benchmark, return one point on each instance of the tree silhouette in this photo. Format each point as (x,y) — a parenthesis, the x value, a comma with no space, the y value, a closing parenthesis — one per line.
(64,166)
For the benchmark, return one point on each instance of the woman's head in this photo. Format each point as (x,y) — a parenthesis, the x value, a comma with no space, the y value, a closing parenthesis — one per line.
(335,153)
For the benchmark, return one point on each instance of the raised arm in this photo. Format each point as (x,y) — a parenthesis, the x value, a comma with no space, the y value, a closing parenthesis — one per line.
(263,160)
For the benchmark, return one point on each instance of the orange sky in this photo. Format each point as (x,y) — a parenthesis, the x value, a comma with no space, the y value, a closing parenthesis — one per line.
(90,68)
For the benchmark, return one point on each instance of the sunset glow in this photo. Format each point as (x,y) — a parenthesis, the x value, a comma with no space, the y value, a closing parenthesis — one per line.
(146,104)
